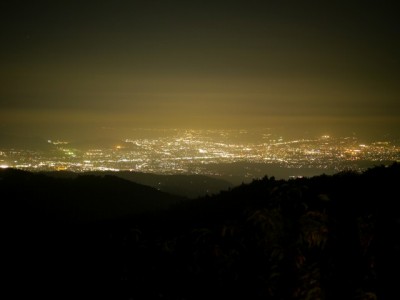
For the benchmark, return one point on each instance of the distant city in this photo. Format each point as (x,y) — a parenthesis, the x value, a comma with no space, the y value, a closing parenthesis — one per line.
(202,151)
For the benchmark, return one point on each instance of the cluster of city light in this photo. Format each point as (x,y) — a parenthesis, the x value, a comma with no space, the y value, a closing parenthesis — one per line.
(192,151)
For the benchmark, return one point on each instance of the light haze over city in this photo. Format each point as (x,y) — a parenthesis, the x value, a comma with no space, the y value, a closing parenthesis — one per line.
(79,70)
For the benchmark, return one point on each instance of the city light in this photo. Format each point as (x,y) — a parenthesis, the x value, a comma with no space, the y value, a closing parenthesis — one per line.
(192,151)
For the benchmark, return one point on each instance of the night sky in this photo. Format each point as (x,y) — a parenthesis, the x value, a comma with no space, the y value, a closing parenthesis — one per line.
(70,68)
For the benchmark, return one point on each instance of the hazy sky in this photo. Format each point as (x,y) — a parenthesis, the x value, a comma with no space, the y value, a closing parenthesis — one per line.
(71,67)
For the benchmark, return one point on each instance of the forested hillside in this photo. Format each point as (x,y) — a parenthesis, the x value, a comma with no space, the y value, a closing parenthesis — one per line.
(326,237)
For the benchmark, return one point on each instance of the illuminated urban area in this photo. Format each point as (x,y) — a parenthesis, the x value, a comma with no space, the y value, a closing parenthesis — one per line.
(195,151)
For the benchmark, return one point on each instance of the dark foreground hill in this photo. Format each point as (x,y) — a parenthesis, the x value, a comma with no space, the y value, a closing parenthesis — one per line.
(326,237)
(80,199)
(191,186)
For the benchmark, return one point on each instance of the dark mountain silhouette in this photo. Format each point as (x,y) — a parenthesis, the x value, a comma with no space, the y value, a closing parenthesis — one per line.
(325,237)
(80,199)
(191,186)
